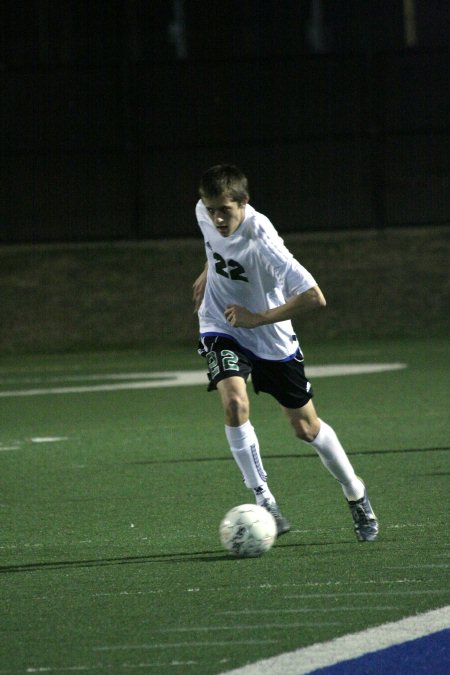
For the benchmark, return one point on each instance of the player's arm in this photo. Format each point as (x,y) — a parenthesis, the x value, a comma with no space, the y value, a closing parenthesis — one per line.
(241,317)
(198,288)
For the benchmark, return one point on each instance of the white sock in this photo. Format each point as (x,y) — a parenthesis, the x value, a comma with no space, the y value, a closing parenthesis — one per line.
(245,449)
(334,458)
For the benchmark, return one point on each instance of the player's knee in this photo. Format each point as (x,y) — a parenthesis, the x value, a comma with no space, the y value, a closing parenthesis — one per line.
(237,409)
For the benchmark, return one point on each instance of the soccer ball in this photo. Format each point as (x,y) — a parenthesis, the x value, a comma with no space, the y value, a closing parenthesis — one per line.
(248,531)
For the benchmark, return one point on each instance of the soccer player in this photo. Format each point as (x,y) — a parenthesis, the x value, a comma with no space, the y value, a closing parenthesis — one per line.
(246,296)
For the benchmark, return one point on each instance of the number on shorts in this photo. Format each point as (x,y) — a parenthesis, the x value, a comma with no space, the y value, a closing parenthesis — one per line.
(229,359)
(213,366)
(229,362)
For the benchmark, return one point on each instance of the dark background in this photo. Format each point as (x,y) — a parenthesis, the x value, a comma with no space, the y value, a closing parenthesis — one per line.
(338,111)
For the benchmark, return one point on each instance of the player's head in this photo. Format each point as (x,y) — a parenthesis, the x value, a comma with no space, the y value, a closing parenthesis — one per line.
(224,193)
(227,180)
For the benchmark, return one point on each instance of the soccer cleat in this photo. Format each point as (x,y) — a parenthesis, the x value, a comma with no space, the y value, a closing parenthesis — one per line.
(364,520)
(283,525)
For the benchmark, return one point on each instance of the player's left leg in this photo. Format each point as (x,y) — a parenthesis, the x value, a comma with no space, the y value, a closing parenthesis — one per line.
(314,431)
(309,428)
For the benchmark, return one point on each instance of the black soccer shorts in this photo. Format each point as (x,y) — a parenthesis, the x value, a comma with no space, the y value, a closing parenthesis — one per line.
(284,380)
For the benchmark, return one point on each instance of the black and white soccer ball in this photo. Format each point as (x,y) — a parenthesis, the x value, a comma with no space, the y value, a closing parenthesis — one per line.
(248,531)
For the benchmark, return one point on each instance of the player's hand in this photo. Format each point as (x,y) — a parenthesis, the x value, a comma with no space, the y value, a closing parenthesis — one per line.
(198,289)
(241,317)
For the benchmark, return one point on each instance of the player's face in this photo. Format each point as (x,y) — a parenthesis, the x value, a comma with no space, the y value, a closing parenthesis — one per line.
(225,214)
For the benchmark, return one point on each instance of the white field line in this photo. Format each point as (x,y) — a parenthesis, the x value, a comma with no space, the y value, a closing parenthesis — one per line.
(183,378)
(252,626)
(418,567)
(48,669)
(97,667)
(209,591)
(354,645)
(49,439)
(182,645)
(35,439)
(315,371)
(306,610)
(113,543)
(344,594)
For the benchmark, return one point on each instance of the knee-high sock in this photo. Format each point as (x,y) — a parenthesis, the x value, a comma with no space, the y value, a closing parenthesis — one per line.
(334,458)
(245,449)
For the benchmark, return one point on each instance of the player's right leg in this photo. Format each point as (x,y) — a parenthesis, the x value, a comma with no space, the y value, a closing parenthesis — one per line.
(234,398)
(229,369)
(244,446)
(241,435)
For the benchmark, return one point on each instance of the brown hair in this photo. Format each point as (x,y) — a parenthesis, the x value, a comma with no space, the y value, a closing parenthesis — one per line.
(224,179)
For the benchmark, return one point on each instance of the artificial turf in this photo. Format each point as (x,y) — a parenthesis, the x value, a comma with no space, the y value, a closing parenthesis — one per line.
(110,556)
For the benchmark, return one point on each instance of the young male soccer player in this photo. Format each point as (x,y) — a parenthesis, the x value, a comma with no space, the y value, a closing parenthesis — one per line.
(249,291)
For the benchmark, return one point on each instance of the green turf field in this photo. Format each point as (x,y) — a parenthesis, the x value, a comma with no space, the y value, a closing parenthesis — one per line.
(111,501)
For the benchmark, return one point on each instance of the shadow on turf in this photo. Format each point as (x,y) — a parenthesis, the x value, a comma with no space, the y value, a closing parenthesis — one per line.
(294,455)
(202,556)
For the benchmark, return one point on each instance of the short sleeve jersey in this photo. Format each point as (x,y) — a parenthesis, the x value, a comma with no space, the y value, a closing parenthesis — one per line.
(253,268)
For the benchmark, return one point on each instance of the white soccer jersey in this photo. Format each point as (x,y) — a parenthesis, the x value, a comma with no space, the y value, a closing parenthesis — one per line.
(253,268)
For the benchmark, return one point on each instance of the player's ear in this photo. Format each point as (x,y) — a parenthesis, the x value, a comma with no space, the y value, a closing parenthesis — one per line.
(244,201)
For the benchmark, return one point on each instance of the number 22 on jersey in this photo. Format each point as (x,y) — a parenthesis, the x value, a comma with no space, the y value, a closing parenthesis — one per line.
(229,268)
